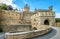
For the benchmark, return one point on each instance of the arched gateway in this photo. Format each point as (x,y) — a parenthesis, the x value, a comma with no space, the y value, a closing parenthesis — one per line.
(46,22)
(34,28)
(1,30)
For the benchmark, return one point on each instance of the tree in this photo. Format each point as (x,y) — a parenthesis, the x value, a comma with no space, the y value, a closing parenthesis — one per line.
(10,7)
(4,6)
(57,19)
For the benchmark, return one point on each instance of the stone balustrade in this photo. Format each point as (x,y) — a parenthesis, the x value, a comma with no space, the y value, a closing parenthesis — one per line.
(57,24)
(28,34)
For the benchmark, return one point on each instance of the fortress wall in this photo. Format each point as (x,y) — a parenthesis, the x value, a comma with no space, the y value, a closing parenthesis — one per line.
(28,34)
(50,19)
(57,24)
(38,21)
(35,22)
(8,17)
(40,17)
(11,19)
(16,28)
(11,14)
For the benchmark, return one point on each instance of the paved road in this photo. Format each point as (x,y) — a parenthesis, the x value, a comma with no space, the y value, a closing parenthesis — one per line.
(2,35)
(54,34)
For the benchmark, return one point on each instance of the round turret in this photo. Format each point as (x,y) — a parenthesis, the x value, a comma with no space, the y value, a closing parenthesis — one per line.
(50,8)
(26,8)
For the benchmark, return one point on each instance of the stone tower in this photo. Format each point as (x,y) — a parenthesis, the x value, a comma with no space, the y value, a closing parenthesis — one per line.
(50,8)
(26,8)
(26,13)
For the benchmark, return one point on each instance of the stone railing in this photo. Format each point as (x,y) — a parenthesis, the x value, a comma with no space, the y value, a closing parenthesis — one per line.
(57,24)
(28,34)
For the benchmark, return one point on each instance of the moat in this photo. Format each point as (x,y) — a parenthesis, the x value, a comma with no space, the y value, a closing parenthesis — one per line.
(54,34)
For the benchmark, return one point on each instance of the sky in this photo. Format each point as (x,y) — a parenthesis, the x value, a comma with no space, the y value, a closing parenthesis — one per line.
(39,4)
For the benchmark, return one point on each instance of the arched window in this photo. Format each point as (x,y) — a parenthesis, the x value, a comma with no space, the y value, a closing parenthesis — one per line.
(46,22)
(34,28)
(34,19)
(42,13)
(46,13)
(1,29)
(52,14)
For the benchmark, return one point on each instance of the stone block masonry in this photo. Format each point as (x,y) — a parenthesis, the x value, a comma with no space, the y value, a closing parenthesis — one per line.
(57,24)
(17,28)
(28,34)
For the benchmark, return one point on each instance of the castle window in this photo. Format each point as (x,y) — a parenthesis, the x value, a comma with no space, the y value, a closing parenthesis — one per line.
(19,22)
(20,14)
(35,14)
(49,13)
(34,19)
(46,13)
(42,13)
(34,23)
(9,13)
(52,14)
(35,28)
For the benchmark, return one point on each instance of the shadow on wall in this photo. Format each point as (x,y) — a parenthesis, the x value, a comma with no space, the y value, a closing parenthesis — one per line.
(46,36)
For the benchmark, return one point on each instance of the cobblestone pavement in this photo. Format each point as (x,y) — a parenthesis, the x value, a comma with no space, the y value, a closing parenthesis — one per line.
(54,34)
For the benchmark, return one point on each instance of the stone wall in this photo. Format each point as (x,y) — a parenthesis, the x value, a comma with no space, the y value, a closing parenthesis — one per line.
(28,34)
(57,24)
(10,17)
(13,21)
(39,18)
(16,28)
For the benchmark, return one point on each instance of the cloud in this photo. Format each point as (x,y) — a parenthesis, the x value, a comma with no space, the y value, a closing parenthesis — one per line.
(9,2)
(57,15)
(25,1)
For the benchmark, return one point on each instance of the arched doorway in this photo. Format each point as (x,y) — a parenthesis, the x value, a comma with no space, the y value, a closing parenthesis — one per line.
(46,22)
(34,28)
(1,30)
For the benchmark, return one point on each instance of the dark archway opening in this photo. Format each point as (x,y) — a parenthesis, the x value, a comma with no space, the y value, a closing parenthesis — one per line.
(46,22)
(34,28)
(1,30)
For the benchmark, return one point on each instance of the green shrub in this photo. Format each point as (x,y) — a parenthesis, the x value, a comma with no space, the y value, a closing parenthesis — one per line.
(57,19)
(4,6)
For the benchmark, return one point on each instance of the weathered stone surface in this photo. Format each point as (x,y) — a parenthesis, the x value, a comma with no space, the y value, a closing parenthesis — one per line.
(43,18)
(27,34)
(26,18)
(57,24)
